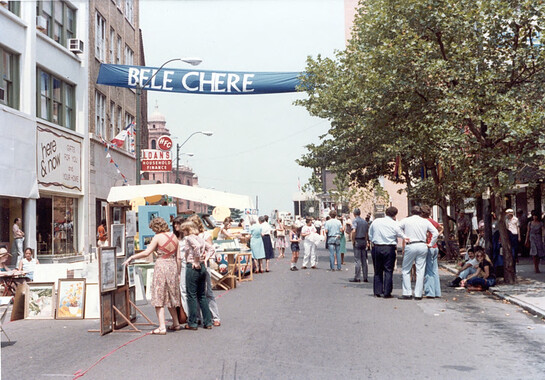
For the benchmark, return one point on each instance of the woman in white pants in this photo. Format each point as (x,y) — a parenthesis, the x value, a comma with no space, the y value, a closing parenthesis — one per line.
(308,246)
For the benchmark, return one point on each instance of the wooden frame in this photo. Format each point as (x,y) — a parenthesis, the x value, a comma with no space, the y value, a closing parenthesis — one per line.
(129,246)
(117,236)
(240,267)
(107,269)
(130,275)
(121,302)
(120,271)
(40,300)
(71,298)
(106,313)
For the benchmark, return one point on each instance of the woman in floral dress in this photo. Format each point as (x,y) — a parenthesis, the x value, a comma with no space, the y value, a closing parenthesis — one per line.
(165,287)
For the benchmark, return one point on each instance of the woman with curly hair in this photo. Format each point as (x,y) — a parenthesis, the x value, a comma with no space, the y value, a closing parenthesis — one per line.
(165,287)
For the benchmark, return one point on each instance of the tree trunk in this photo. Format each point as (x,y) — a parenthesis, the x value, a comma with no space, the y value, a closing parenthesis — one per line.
(451,254)
(509,275)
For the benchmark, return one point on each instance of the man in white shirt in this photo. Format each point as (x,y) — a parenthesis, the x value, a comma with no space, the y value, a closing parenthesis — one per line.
(513,229)
(416,229)
(384,233)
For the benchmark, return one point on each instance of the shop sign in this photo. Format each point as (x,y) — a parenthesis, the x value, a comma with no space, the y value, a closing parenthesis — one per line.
(58,160)
(155,160)
(164,143)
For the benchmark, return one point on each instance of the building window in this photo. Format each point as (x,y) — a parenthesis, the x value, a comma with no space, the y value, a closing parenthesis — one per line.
(112,131)
(129,141)
(56,100)
(100,112)
(153,144)
(56,19)
(12,6)
(129,10)
(129,55)
(9,78)
(112,46)
(56,225)
(118,56)
(100,37)
(119,122)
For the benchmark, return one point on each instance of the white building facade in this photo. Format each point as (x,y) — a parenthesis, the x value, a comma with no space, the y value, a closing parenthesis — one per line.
(43,124)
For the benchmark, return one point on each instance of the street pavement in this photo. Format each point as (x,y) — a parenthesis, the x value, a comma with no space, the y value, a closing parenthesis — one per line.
(309,324)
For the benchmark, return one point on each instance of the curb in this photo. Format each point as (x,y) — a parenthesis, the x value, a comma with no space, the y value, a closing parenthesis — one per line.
(524,305)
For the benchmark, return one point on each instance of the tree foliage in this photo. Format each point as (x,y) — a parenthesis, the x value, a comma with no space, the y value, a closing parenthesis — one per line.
(453,89)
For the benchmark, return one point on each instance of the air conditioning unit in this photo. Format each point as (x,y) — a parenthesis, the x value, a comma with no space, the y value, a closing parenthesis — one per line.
(2,95)
(41,23)
(75,45)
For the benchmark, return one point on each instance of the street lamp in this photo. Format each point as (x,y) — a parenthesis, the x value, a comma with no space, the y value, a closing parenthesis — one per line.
(139,88)
(178,146)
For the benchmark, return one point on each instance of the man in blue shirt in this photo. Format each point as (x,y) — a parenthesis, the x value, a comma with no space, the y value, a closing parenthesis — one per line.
(360,229)
(383,233)
(333,230)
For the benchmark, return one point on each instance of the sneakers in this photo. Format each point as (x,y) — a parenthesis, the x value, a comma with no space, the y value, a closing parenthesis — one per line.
(293,269)
(303,267)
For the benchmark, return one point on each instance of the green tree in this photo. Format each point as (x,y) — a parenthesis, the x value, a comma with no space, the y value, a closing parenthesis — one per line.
(454,88)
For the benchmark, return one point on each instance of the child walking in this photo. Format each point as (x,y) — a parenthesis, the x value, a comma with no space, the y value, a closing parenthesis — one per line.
(294,240)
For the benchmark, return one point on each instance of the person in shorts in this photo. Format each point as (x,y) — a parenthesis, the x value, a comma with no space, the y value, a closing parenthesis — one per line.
(294,245)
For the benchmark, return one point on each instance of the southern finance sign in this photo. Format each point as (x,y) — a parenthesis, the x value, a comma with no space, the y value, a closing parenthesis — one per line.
(155,160)
(58,160)
(198,81)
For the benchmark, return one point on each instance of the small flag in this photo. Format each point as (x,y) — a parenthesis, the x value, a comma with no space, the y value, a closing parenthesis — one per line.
(119,140)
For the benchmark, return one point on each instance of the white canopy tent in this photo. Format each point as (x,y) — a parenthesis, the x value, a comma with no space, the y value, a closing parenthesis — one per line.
(190,193)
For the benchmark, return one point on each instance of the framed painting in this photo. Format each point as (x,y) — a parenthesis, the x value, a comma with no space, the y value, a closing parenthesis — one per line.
(71,298)
(129,246)
(139,287)
(107,269)
(130,275)
(117,215)
(149,280)
(40,300)
(92,301)
(106,313)
(120,271)
(130,222)
(121,303)
(117,234)
(132,309)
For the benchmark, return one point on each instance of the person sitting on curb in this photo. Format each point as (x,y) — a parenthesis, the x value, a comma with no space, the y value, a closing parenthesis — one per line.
(484,277)
(469,267)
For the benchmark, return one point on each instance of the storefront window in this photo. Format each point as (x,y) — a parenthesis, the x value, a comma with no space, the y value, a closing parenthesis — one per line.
(56,227)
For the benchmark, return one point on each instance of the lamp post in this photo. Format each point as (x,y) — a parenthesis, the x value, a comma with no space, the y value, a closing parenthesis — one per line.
(139,88)
(178,146)
(178,154)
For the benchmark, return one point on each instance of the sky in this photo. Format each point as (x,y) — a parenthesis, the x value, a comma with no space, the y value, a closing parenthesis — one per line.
(257,138)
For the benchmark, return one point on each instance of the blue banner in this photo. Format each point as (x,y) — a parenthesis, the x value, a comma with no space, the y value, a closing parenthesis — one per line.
(198,81)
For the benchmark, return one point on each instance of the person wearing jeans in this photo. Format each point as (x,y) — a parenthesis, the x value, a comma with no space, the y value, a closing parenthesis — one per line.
(360,229)
(432,285)
(333,230)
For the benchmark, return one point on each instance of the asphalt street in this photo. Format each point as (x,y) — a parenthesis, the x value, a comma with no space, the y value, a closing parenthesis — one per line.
(309,324)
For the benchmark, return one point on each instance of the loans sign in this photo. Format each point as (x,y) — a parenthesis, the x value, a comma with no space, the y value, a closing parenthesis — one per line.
(155,160)
(198,81)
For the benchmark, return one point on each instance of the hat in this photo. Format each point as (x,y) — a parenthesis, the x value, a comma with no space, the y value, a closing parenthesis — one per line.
(4,251)
(509,211)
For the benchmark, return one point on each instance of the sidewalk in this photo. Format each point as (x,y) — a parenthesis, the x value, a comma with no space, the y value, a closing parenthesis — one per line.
(528,292)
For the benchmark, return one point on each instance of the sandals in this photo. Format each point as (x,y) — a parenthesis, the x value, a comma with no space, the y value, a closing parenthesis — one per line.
(174,328)
(158,331)
(217,323)
(187,327)
(209,327)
